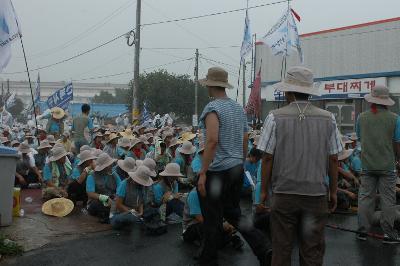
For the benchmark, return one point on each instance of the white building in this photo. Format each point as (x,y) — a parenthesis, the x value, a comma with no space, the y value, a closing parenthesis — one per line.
(83,92)
(347,62)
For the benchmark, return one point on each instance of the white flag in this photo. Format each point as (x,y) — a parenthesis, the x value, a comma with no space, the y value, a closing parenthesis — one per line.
(283,38)
(10,101)
(246,43)
(9,31)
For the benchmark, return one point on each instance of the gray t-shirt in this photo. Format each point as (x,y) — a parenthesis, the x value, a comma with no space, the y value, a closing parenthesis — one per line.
(232,127)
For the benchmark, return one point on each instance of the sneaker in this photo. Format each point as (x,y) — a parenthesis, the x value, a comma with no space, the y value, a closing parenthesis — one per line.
(390,241)
(362,236)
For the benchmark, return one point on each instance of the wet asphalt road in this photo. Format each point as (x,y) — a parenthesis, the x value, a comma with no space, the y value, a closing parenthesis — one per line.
(113,248)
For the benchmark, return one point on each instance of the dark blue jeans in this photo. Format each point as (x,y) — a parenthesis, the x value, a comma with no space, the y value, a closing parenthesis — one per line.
(222,201)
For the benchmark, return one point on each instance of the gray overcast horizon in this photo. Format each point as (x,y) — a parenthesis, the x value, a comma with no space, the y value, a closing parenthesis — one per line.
(48,24)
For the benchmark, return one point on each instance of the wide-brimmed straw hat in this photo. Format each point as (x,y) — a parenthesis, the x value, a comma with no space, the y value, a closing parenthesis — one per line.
(379,95)
(216,77)
(44,144)
(188,136)
(187,148)
(51,139)
(127,133)
(57,153)
(58,207)
(345,154)
(24,148)
(298,79)
(142,176)
(151,164)
(86,156)
(172,169)
(112,137)
(103,161)
(57,112)
(124,142)
(128,164)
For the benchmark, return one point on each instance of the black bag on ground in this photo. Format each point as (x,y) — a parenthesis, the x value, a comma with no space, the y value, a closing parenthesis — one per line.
(153,225)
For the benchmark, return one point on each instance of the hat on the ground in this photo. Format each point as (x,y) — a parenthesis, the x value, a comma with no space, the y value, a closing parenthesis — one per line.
(57,112)
(58,207)
(188,136)
(44,144)
(103,161)
(151,164)
(124,142)
(187,148)
(112,137)
(51,139)
(298,79)
(127,133)
(57,153)
(86,156)
(379,95)
(172,169)
(345,154)
(128,164)
(142,176)
(24,148)
(217,77)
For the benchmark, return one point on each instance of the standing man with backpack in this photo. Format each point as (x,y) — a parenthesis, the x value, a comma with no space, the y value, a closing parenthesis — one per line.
(79,124)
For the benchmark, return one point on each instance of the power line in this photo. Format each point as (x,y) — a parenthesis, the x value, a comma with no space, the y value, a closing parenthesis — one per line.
(190,48)
(219,62)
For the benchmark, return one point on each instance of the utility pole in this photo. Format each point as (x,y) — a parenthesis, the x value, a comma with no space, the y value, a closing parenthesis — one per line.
(196,82)
(135,91)
(244,84)
(8,86)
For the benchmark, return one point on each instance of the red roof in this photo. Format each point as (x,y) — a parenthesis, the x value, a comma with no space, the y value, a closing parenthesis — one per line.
(347,27)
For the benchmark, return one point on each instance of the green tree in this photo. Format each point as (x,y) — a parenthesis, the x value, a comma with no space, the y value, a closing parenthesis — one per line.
(104,97)
(17,108)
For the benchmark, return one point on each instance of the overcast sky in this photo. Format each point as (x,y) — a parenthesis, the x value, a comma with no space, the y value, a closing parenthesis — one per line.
(57,29)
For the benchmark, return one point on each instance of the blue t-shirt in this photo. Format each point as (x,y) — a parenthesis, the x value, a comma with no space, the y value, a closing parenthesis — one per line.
(355,163)
(54,127)
(232,127)
(76,173)
(159,191)
(91,186)
(194,203)
(197,164)
(252,169)
(48,175)
(121,190)
(122,153)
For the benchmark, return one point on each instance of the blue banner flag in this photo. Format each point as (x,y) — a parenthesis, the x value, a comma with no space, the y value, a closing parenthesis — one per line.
(61,98)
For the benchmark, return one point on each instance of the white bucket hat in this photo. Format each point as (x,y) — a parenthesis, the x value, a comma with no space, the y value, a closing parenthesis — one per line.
(24,148)
(135,142)
(187,148)
(103,161)
(151,164)
(57,154)
(44,144)
(217,77)
(86,156)
(298,79)
(51,139)
(84,148)
(172,169)
(142,176)
(379,95)
(345,154)
(128,164)
(124,142)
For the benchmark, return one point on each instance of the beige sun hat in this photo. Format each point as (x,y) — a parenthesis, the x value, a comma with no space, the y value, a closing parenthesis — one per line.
(135,142)
(103,161)
(127,133)
(98,134)
(298,79)
(217,77)
(86,156)
(24,148)
(44,144)
(57,153)
(58,207)
(346,140)
(51,139)
(142,176)
(124,142)
(187,148)
(4,140)
(112,136)
(139,163)
(345,154)
(379,95)
(128,164)
(188,136)
(57,112)
(96,152)
(174,142)
(354,136)
(14,142)
(172,169)
(151,164)
(144,140)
